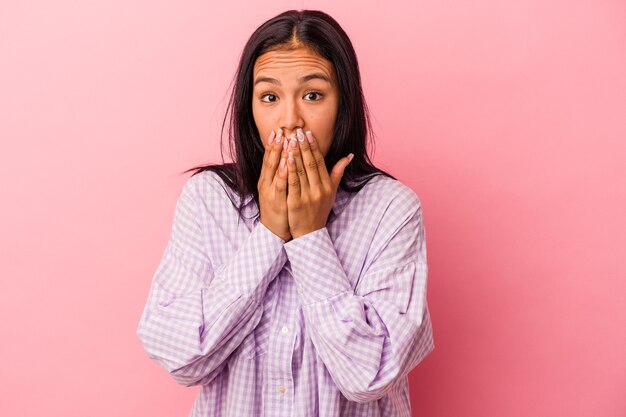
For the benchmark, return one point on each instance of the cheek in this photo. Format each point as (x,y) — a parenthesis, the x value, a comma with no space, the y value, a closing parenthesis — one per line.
(256,115)
(330,117)
(261,121)
(329,127)
(324,120)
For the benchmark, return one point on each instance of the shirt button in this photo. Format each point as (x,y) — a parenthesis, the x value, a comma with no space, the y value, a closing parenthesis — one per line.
(282,389)
(285,330)
(300,290)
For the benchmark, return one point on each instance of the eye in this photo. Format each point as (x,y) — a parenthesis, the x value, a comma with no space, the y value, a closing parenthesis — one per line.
(316,95)
(270,98)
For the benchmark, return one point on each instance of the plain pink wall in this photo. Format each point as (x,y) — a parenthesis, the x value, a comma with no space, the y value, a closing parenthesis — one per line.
(508,119)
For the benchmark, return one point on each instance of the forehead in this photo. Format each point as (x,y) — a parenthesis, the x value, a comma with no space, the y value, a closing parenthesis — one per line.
(300,59)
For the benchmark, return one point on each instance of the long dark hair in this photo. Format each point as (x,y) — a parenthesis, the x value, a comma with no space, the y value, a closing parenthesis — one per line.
(320,32)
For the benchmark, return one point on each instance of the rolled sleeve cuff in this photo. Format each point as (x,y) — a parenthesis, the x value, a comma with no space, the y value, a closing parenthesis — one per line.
(257,262)
(316,268)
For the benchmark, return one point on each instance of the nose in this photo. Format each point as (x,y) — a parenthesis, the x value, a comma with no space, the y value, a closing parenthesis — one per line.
(291,117)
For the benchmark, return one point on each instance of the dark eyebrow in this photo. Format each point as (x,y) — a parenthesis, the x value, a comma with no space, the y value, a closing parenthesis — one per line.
(302,80)
(266,80)
(315,76)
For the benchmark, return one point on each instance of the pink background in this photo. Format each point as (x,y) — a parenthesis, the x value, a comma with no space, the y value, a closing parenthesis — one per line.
(508,118)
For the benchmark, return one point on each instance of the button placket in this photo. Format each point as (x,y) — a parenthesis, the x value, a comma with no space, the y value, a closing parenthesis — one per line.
(282,337)
(281,341)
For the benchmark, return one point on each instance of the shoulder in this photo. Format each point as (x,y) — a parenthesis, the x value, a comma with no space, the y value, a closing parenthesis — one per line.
(391,194)
(207,189)
(204,181)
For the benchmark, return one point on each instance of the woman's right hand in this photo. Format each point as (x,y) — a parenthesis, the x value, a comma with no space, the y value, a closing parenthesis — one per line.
(272,186)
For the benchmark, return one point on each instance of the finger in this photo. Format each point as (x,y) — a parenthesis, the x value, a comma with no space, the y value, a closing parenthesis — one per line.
(315,150)
(283,152)
(280,178)
(300,170)
(268,145)
(339,169)
(271,159)
(270,139)
(311,165)
(293,180)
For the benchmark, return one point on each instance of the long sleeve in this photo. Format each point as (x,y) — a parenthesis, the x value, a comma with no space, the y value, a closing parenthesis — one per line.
(197,315)
(369,336)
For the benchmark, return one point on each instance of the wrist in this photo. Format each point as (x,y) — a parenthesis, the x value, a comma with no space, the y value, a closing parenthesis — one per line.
(304,232)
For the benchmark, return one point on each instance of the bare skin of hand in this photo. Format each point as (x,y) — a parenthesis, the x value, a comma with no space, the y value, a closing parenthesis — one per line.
(312,189)
(272,187)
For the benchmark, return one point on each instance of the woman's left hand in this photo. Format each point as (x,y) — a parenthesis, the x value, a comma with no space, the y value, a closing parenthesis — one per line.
(311,190)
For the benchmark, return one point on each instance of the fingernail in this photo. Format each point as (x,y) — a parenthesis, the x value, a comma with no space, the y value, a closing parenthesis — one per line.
(282,163)
(293,141)
(309,136)
(269,142)
(300,135)
(350,157)
(280,133)
(284,145)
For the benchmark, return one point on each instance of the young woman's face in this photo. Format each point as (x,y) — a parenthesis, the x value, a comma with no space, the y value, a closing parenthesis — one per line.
(295,89)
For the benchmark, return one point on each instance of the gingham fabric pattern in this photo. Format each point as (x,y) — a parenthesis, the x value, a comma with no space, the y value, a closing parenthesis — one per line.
(327,324)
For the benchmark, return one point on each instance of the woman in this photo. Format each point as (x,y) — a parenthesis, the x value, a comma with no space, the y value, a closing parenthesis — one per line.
(308,296)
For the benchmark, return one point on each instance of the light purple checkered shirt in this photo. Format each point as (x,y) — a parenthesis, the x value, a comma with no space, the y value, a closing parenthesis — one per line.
(327,324)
